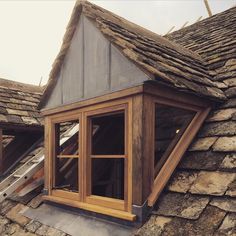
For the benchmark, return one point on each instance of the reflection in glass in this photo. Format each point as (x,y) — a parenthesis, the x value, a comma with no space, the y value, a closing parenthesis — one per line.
(108,134)
(170,124)
(66,177)
(108,177)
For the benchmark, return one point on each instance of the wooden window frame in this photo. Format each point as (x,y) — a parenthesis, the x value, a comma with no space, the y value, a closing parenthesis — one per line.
(180,147)
(145,190)
(141,103)
(110,206)
(67,116)
(99,200)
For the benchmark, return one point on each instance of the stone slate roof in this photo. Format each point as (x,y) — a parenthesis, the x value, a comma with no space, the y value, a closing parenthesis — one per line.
(12,222)
(214,39)
(18,104)
(163,60)
(201,197)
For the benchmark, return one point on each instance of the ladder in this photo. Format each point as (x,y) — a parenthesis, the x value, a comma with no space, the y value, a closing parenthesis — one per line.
(29,168)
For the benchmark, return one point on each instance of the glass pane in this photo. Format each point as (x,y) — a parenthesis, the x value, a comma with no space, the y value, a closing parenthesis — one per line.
(108,134)
(69,135)
(66,174)
(108,177)
(170,124)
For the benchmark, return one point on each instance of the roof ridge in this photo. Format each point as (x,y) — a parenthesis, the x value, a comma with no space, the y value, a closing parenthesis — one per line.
(133,26)
(142,47)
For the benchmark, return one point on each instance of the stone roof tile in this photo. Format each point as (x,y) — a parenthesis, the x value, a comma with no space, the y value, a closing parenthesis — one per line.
(18,103)
(184,206)
(212,183)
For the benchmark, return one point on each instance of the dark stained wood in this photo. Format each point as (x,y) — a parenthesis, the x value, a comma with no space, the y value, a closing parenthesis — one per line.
(148,145)
(167,94)
(137,163)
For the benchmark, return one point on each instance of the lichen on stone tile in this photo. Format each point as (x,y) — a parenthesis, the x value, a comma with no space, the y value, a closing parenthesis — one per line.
(228,227)
(226,203)
(229,162)
(222,115)
(185,206)
(206,160)
(15,215)
(182,181)
(203,144)
(154,226)
(225,144)
(212,183)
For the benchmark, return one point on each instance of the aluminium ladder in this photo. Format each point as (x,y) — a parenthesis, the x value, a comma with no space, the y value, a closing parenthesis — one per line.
(29,168)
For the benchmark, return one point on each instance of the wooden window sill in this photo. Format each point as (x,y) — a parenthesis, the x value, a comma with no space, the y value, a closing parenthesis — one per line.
(94,208)
(106,202)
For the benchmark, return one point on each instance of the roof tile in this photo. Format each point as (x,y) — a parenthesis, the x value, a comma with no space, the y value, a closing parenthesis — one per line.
(182,181)
(218,129)
(16,100)
(17,112)
(206,160)
(229,162)
(212,183)
(203,144)
(184,206)
(228,227)
(231,189)
(226,204)
(14,215)
(222,115)
(225,144)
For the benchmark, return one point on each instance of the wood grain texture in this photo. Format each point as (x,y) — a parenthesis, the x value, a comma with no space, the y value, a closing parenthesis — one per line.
(137,135)
(148,145)
(89,207)
(84,116)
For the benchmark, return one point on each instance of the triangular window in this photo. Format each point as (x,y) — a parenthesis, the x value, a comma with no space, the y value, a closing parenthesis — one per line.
(170,124)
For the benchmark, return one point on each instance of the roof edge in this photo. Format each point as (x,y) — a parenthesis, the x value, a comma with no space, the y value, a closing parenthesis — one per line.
(15,85)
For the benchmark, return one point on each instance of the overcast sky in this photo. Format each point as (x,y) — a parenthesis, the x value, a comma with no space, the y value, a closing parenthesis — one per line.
(31,31)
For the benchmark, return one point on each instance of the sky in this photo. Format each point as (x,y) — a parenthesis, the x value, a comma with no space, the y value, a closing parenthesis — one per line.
(31,31)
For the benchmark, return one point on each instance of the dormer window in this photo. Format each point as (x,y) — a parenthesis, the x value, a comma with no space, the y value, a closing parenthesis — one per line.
(139,102)
(114,156)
